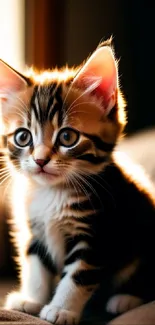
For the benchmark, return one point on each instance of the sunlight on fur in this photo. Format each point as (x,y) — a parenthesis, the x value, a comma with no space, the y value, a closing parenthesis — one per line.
(19,227)
(136,172)
(59,75)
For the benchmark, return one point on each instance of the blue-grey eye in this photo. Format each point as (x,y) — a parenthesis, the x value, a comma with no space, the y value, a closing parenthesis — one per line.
(23,137)
(68,137)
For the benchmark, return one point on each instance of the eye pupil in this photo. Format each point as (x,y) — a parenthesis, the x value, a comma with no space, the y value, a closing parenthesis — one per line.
(66,136)
(23,136)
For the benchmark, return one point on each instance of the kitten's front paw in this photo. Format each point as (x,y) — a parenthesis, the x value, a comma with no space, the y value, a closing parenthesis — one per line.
(17,302)
(121,303)
(59,316)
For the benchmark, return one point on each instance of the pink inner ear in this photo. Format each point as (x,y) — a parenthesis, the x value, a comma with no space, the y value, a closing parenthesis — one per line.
(100,65)
(10,81)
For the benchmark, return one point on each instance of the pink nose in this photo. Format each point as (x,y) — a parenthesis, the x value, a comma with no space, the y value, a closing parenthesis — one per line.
(41,162)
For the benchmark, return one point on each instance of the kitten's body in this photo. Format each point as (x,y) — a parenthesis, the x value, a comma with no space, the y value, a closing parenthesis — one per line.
(81,220)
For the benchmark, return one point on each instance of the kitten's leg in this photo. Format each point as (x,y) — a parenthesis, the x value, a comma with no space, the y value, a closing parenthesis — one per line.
(121,303)
(73,291)
(36,287)
(132,282)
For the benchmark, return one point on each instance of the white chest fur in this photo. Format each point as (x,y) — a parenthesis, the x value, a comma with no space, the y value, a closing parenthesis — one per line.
(45,212)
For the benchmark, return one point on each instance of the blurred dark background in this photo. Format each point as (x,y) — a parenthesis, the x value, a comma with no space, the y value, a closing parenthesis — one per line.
(67,31)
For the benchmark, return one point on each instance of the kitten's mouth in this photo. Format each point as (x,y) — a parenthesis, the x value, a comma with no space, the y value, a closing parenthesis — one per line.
(49,174)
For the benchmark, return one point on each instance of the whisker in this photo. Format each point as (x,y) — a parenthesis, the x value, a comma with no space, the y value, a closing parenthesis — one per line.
(22,108)
(4,179)
(84,191)
(20,113)
(22,103)
(81,95)
(83,180)
(69,89)
(3,160)
(93,178)
(13,95)
(5,172)
(7,186)
(5,166)
(108,192)
(74,186)
(71,107)
(76,177)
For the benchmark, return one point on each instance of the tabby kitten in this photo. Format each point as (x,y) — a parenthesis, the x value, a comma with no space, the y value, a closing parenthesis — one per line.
(80,218)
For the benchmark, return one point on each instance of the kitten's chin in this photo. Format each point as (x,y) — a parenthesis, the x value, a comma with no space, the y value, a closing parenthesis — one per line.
(43,178)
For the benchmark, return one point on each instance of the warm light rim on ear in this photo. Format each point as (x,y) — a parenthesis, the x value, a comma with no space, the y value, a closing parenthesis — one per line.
(97,52)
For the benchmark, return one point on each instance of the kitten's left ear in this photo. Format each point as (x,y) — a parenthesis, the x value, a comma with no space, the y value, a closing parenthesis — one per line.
(99,76)
(10,80)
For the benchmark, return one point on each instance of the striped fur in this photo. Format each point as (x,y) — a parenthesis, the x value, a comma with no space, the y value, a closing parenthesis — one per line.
(80,217)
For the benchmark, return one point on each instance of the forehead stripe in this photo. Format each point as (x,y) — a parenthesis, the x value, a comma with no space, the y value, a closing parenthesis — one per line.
(57,107)
(49,106)
(54,110)
(51,99)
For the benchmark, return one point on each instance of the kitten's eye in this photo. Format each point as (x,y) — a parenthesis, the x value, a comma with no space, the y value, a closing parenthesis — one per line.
(23,137)
(68,137)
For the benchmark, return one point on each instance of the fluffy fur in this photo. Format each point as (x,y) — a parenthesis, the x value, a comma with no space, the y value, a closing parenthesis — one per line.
(80,217)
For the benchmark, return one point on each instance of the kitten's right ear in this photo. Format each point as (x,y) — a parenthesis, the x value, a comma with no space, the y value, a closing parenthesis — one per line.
(99,76)
(10,80)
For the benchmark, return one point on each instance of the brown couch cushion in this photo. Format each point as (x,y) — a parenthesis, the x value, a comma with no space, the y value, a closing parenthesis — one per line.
(143,315)
(14,317)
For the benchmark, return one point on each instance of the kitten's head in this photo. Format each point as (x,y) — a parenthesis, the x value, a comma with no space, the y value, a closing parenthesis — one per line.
(59,126)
